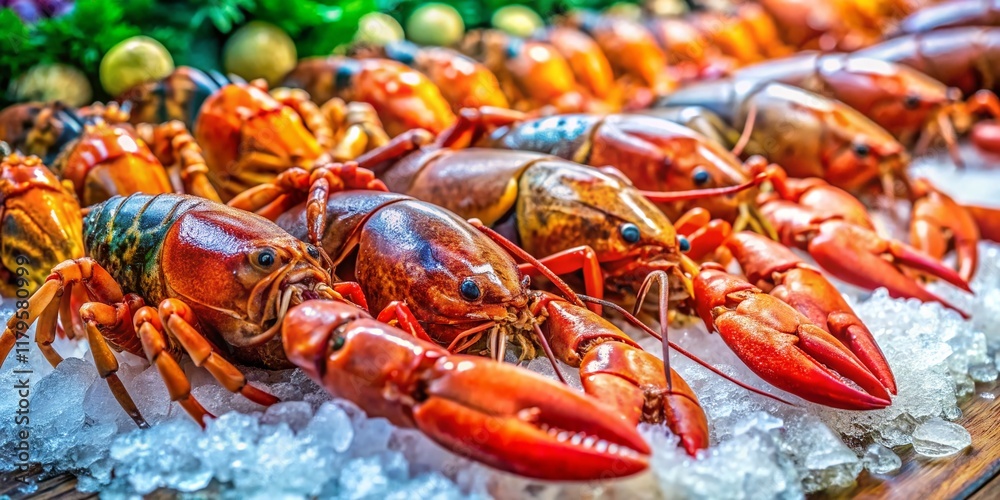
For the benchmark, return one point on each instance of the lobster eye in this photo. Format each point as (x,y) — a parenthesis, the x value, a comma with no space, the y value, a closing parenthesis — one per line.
(861,150)
(265,258)
(630,232)
(911,101)
(312,251)
(700,176)
(683,243)
(469,289)
(337,340)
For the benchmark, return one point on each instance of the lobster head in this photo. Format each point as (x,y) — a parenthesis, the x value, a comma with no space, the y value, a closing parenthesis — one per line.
(662,155)
(813,136)
(240,273)
(179,96)
(564,205)
(40,129)
(249,138)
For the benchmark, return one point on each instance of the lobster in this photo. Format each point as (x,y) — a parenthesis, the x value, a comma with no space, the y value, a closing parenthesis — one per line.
(250,274)
(250,134)
(784,294)
(403,97)
(746,35)
(898,98)
(463,81)
(588,62)
(649,151)
(689,51)
(101,155)
(534,74)
(40,224)
(462,289)
(524,189)
(814,137)
(843,25)
(633,53)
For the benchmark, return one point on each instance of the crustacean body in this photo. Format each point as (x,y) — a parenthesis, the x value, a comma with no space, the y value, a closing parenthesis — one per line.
(402,96)
(518,190)
(101,155)
(534,74)
(40,224)
(463,81)
(170,275)
(815,137)
(907,103)
(448,281)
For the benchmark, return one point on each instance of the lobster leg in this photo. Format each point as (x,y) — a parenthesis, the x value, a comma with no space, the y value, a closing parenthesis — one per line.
(299,101)
(173,145)
(492,412)
(782,346)
(776,269)
(356,126)
(614,369)
(935,220)
(273,199)
(582,258)
(857,255)
(179,321)
(154,344)
(987,219)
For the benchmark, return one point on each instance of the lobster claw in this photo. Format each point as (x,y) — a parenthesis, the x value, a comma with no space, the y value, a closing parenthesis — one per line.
(495,413)
(775,268)
(857,256)
(781,346)
(634,380)
(935,217)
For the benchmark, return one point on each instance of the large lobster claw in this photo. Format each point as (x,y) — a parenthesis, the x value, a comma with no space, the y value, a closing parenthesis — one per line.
(635,379)
(936,218)
(781,346)
(775,268)
(495,413)
(858,256)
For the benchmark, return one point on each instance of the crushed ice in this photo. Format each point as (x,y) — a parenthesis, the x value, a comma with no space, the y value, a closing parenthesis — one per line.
(310,445)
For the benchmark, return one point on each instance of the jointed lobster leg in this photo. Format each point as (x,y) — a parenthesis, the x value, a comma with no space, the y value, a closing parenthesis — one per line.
(273,199)
(312,116)
(617,371)
(154,343)
(174,146)
(782,346)
(777,270)
(356,128)
(938,222)
(516,421)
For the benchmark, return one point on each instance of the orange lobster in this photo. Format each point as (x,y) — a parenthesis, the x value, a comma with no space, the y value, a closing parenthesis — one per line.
(454,283)
(40,224)
(463,81)
(403,97)
(250,282)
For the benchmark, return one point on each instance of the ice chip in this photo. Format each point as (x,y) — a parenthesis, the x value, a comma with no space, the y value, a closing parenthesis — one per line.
(881,460)
(938,438)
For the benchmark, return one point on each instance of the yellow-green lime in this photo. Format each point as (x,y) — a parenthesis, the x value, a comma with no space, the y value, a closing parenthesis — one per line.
(435,24)
(133,61)
(376,28)
(53,82)
(259,50)
(518,20)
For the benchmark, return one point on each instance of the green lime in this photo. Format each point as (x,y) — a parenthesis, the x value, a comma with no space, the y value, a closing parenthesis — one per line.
(133,61)
(53,82)
(517,20)
(259,50)
(376,28)
(435,24)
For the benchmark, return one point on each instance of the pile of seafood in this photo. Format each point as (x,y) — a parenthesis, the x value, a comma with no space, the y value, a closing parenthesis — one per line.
(410,226)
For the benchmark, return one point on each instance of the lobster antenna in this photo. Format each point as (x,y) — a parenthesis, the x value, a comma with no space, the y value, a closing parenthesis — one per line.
(519,252)
(660,277)
(635,322)
(747,130)
(548,352)
(694,194)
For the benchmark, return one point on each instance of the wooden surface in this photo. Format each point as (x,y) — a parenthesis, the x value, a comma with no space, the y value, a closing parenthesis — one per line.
(974,474)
